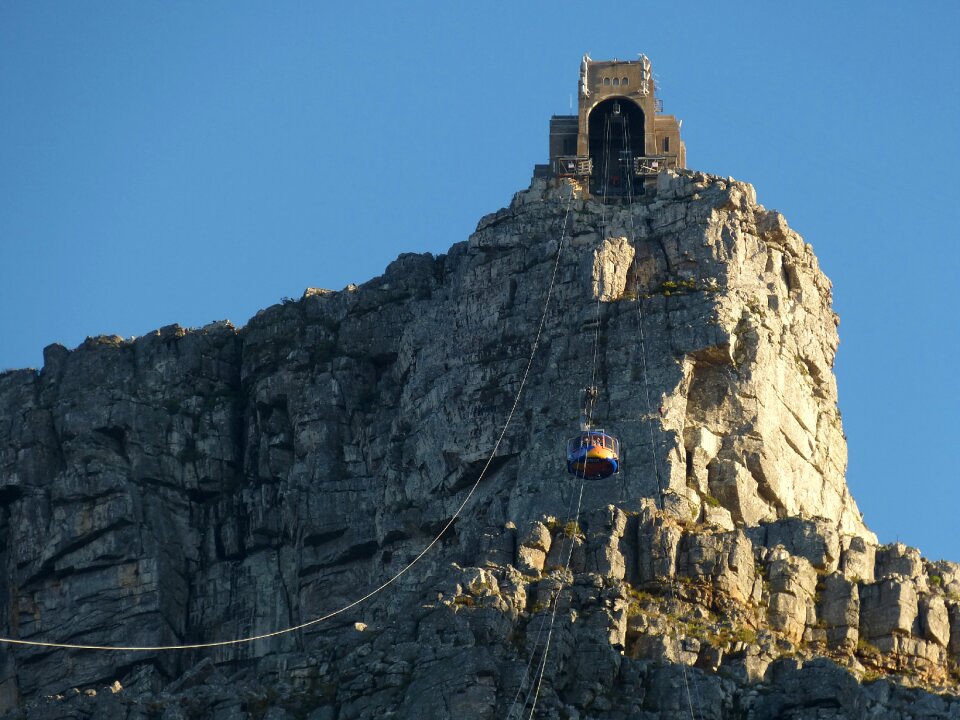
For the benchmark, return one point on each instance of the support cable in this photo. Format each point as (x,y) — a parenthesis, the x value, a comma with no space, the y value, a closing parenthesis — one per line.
(543,623)
(646,392)
(556,604)
(589,413)
(592,392)
(402,571)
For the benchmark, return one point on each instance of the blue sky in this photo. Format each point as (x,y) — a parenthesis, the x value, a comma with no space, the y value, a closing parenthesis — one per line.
(186,162)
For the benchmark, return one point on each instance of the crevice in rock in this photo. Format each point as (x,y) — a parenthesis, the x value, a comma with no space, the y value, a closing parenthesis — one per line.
(785,277)
(764,490)
(315,539)
(9,494)
(471,471)
(201,496)
(47,569)
(355,553)
(394,536)
(116,438)
(793,446)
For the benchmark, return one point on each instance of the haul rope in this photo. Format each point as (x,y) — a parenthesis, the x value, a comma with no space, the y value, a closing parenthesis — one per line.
(591,399)
(646,392)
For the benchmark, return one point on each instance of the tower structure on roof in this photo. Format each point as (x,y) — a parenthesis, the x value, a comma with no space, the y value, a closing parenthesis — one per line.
(619,139)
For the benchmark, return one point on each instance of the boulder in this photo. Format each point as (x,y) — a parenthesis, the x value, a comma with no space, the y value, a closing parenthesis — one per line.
(838,611)
(887,606)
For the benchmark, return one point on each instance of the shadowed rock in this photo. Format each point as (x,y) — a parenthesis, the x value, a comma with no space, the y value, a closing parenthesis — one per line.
(214,483)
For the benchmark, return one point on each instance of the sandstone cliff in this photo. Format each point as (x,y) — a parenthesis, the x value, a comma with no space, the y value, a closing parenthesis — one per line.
(201,485)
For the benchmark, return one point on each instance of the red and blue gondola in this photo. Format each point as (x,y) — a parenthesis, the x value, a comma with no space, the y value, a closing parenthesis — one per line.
(593,455)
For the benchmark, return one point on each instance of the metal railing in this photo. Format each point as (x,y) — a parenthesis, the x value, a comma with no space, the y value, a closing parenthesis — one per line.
(652,164)
(573,166)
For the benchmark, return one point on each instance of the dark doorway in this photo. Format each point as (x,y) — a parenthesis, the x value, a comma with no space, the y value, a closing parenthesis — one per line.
(615,131)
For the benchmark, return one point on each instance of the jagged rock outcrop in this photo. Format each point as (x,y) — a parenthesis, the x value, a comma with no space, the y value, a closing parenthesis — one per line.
(202,485)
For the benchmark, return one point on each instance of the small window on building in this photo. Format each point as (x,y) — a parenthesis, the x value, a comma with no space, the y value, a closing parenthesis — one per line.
(666,144)
(616,82)
(625,81)
(606,81)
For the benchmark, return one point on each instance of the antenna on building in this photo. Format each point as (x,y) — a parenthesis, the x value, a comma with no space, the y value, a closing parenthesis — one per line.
(571,103)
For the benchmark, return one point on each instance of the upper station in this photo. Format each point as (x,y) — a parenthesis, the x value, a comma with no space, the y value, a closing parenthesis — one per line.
(619,138)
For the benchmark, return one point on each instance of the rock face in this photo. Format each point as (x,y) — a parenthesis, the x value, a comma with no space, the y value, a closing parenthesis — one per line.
(195,486)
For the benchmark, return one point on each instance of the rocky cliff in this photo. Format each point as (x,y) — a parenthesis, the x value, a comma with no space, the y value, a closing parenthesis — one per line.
(201,485)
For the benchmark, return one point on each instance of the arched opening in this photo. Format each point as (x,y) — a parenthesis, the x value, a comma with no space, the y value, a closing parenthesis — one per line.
(615,135)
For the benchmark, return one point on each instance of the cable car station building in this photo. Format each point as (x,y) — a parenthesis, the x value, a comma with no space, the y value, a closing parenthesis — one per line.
(619,140)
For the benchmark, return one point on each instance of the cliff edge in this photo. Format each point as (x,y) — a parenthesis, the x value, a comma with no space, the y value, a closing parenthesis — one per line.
(195,486)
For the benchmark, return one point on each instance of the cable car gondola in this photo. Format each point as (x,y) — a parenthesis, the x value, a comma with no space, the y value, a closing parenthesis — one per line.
(593,455)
